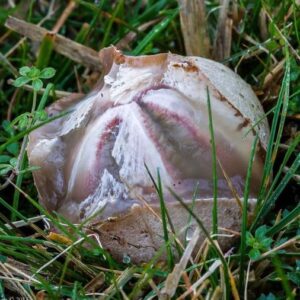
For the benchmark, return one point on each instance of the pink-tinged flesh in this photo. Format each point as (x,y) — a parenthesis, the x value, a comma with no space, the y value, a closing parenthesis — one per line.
(148,110)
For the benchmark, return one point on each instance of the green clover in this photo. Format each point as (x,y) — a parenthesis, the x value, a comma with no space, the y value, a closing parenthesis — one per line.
(34,75)
(259,242)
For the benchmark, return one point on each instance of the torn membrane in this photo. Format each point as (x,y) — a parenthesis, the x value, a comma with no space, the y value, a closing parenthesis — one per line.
(147,110)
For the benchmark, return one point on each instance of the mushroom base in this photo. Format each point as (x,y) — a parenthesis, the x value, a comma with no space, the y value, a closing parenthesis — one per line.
(139,233)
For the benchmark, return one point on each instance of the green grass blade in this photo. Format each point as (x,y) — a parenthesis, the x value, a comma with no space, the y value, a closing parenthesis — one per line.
(157,29)
(276,132)
(45,96)
(267,205)
(283,278)
(21,239)
(159,190)
(214,168)
(245,216)
(110,23)
(19,180)
(165,222)
(290,217)
(45,51)
(288,154)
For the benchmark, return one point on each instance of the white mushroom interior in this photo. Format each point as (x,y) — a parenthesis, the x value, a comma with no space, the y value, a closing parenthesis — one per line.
(149,110)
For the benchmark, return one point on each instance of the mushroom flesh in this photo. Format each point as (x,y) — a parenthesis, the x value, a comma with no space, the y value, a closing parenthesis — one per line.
(149,110)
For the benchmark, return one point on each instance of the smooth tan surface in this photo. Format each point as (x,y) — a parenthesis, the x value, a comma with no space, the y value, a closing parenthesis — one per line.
(139,234)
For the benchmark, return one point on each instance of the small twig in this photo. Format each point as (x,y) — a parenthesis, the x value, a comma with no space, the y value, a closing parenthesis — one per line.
(154,287)
(173,278)
(247,280)
(282,246)
(59,94)
(6,63)
(222,44)
(260,47)
(210,271)
(5,36)
(19,287)
(73,50)
(263,27)
(194,28)
(95,294)
(231,186)
(21,41)
(64,16)
(22,223)
(17,271)
(79,88)
(284,146)
(7,181)
(15,279)
(96,283)
(294,117)
(11,104)
(273,73)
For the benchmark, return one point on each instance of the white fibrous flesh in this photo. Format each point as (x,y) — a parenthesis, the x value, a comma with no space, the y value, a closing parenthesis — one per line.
(149,111)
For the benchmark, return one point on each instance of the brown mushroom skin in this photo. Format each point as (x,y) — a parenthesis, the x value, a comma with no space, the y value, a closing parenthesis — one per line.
(138,234)
(148,110)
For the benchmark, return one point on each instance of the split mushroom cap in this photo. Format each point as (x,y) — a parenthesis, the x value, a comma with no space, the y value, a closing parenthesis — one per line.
(148,110)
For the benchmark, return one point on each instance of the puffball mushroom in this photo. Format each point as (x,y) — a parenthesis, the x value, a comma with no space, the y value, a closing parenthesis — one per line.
(149,110)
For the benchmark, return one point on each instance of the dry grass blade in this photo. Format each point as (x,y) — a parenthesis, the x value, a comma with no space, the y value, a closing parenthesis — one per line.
(64,16)
(174,277)
(222,44)
(74,51)
(288,243)
(263,26)
(22,272)
(96,283)
(110,292)
(7,64)
(210,271)
(22,223)
(270,77)
(79,263)
(247,281)
(231,186)
(193,27)
(12,284)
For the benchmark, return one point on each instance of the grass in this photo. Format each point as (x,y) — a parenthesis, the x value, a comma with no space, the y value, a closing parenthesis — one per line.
(38,263)
(214,212)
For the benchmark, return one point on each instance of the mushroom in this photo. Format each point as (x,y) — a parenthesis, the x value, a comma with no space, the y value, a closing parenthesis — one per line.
(149,110)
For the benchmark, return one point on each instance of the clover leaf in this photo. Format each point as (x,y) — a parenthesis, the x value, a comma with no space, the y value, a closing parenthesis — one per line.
(258,243)
(47,73)
(33,75)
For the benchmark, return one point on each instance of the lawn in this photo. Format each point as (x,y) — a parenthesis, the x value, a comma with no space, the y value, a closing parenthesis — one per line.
(49,49)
